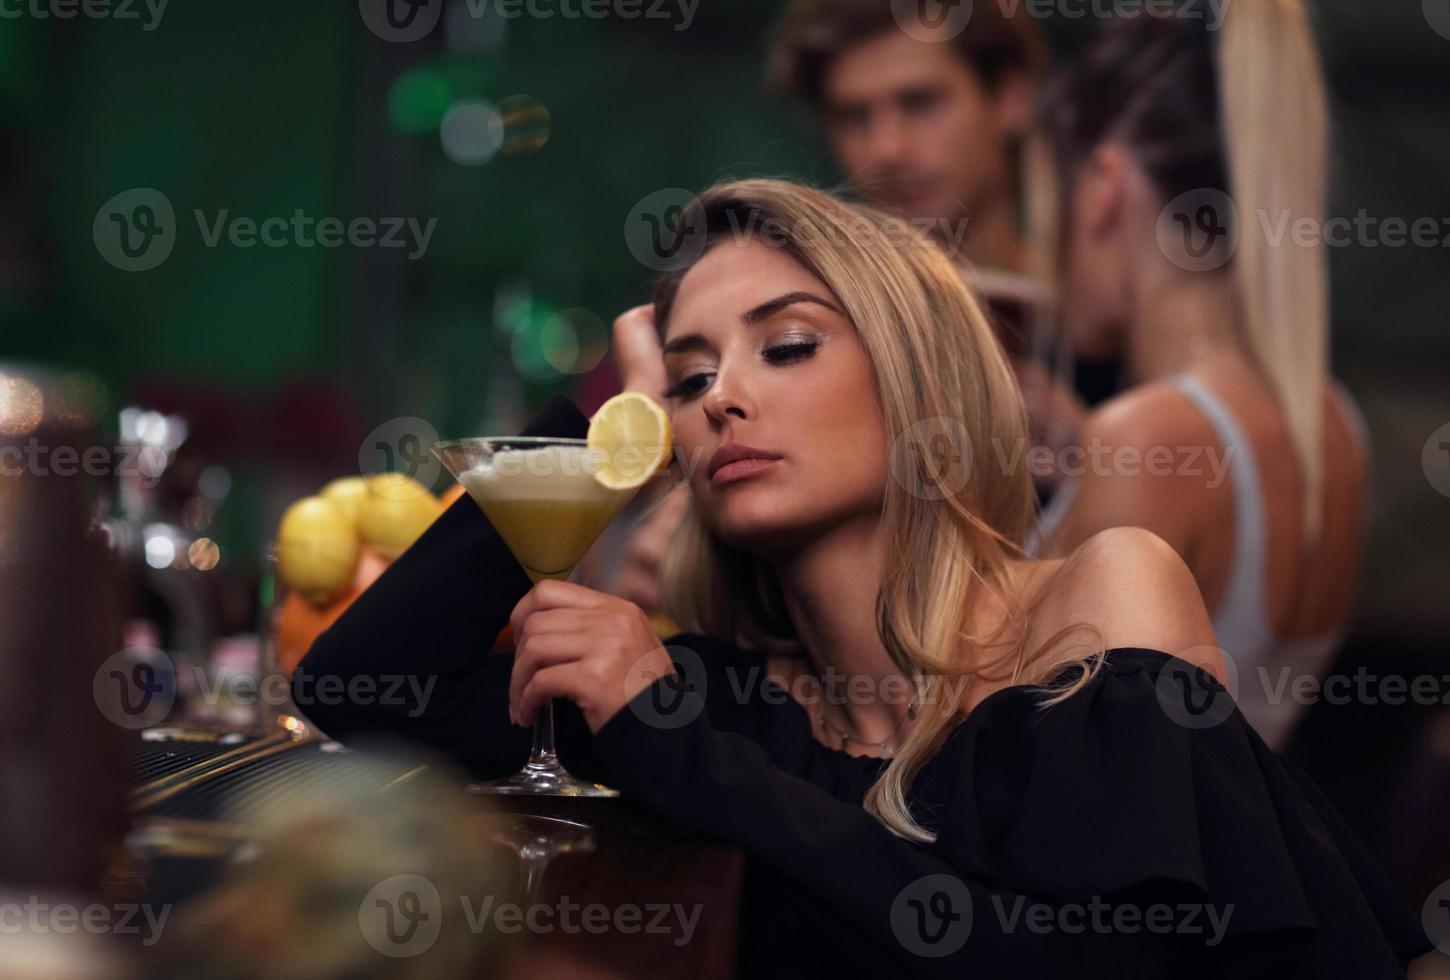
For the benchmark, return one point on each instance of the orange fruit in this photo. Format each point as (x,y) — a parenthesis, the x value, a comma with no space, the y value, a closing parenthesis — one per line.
(300,622)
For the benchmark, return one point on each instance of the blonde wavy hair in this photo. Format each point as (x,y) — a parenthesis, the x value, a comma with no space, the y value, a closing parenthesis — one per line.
(935,360)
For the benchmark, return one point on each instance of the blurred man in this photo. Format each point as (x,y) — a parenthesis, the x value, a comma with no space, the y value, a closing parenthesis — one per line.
(927,118)
(924,120)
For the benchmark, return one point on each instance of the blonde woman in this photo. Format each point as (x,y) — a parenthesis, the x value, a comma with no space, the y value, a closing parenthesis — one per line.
(1258,481)
(941,756)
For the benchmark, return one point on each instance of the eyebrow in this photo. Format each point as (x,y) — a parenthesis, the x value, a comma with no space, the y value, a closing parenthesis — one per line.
(766,310)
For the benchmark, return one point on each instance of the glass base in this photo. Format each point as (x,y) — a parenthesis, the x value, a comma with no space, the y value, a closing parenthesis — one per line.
(537,779)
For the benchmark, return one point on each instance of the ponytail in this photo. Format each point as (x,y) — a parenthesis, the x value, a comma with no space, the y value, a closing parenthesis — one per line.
(1276,145)
(1242,111)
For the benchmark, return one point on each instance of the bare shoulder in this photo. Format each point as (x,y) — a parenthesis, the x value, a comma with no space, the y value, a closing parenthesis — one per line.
(1154,414)
(1134,590)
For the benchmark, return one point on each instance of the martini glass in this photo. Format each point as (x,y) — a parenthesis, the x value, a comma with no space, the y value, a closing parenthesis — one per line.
(540,494)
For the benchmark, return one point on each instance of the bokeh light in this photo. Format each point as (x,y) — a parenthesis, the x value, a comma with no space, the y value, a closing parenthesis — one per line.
(204,554)
(574,341)
(418,100)
(22,406)
(526,124)
(160,551)
(472,132)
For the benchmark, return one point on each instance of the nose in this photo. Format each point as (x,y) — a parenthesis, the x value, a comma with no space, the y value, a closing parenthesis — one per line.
(727,398)
(886,143)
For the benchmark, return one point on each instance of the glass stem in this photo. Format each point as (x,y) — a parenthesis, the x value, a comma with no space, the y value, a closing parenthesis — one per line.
(542,756)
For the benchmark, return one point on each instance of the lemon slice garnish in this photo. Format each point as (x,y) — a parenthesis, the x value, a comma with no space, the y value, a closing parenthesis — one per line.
(630,438)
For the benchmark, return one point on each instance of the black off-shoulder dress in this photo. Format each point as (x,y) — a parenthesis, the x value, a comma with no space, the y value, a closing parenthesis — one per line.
(1138,829)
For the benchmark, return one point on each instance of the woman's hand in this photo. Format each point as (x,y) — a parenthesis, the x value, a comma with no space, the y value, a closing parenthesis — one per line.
(596,650)
(637,357)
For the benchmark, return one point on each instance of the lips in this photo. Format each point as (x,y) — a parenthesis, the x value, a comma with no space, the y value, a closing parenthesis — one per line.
(734,453)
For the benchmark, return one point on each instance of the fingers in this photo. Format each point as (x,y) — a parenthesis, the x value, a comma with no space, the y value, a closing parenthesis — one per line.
(551,594)
(636,348)
(571,680)
(540,652)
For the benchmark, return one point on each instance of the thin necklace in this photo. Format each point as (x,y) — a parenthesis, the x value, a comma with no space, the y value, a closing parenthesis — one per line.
(886,747)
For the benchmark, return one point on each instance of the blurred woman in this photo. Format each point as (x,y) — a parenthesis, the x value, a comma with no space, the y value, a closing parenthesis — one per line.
(1232,443)
(948,732)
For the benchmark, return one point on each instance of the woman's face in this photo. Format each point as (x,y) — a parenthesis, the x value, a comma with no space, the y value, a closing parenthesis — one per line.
(759,353)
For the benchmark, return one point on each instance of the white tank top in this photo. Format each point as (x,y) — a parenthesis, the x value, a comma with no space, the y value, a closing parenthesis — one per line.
(1265,665)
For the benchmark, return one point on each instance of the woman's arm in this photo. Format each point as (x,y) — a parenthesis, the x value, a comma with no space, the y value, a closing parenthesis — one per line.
(410,657)
(895,906)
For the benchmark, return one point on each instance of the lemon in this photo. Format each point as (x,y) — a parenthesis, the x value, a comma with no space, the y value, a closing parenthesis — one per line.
(348,493)
(630,436)
(397,486)
(317,549)
(395,513)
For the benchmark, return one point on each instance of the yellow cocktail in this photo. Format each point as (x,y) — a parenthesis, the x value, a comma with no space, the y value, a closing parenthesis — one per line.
(544,502)
(549,499)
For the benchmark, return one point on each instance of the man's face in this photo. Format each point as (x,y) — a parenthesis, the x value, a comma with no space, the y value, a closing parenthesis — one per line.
(916,131)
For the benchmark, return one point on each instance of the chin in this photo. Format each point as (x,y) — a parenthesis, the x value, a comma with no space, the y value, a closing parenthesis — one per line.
(753,521)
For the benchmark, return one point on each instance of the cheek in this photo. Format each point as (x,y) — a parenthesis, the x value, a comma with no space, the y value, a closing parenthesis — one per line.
(850,151)
(843,435)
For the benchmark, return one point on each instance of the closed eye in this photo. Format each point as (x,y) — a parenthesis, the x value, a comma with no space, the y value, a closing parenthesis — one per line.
(691,385)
